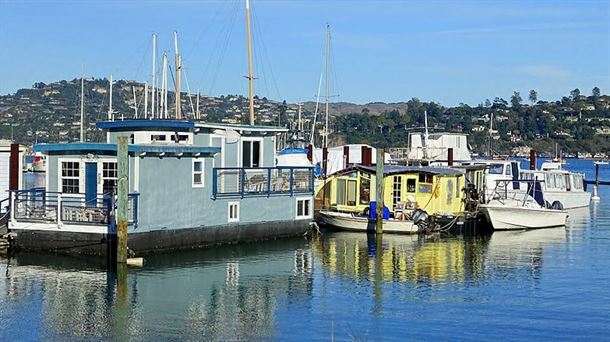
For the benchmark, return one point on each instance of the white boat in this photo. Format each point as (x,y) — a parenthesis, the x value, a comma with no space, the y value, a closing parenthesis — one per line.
(558,185)
(353,222)
(522,211)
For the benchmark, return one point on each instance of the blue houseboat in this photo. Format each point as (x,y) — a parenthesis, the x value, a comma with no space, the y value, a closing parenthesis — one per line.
(191,184)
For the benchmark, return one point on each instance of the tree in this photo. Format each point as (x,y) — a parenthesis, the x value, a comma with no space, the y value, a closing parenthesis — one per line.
(533,96)
(575,94)
(487,103)
(515,100)
(596,93)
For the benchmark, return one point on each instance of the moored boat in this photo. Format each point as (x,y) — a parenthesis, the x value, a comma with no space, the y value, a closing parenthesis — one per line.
(527,212)
(362,223)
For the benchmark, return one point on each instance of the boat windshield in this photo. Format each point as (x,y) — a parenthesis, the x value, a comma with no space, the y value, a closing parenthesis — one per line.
(496,169)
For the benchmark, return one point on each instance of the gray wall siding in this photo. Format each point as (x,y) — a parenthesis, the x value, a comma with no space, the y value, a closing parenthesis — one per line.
(168,200)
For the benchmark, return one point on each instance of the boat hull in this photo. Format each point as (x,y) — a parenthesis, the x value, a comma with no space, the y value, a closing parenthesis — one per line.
(348,222)
(509,218)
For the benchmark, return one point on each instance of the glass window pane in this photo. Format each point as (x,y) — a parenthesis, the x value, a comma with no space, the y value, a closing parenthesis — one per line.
(246,152)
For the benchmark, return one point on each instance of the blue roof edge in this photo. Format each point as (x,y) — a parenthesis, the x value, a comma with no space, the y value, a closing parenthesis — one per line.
(101,147)
(134,124)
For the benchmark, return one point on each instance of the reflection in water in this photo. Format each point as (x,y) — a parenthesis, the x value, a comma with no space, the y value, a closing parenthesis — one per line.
(227,293)
(434,259)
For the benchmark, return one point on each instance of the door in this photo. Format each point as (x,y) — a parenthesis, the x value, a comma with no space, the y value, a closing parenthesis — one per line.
(90,184)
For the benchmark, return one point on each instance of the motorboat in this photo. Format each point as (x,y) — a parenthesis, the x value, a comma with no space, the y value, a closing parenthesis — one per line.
(529,210)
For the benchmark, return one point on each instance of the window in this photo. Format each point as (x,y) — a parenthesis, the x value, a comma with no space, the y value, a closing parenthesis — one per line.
(410,185)
(233,215)
(508,171)
(495,169)
(351,192)
(70,177)
(251,151)
(365,189)
(110,177)
(341,191)
(425,178)
(197,173)
(397,189)
(158,137)
(303,208)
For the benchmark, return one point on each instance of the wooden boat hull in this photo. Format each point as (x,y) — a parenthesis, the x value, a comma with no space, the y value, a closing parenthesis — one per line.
(344,221)
(504,217)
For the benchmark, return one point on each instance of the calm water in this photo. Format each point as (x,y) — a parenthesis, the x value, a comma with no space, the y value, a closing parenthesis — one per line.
(551,284)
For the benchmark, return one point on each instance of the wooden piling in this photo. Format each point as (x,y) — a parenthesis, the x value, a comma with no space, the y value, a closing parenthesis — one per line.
(14,170)
(532,160)
(379,182)
(122,201)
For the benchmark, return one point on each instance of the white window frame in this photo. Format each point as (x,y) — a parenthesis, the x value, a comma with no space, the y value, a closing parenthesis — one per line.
(202,172)
(229,218)
(309,214)
(100,172)
(261,151)
(81,175)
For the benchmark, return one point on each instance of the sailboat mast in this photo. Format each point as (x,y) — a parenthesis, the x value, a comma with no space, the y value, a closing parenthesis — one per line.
(164,84)
(145,100)
(327,83)
(154,71)
(250,64)
(135,103)
(197,112)
(178,63)
(110,104)
(426,135)
(82,106)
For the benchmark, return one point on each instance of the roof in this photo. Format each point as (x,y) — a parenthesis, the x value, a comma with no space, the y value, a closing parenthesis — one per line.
(99,148)
(389,170)
(254,128)
(145,124)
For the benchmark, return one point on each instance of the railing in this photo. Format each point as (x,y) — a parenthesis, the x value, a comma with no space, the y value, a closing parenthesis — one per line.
(38,205)
(261,181)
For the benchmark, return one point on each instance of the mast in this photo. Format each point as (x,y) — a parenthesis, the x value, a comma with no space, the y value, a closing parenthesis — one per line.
(110,105)
(491,122)
(178,63)
(250,64)
(327,82)
(426,135)
(164,87)
(197,112)
(154,71)
(145,100)
(299,120)
(135,103)
(82,106)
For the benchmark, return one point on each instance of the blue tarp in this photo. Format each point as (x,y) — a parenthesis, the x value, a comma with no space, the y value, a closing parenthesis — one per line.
(373,211)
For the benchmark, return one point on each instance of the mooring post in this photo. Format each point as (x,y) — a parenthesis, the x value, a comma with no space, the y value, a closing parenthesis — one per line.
(595,196)
(532,160)
(122,201)
(379,175)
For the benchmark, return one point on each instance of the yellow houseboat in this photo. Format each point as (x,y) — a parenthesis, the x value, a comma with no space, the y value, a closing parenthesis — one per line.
(412,195)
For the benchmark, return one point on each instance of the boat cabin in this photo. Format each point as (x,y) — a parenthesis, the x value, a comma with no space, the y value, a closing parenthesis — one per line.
(437,190)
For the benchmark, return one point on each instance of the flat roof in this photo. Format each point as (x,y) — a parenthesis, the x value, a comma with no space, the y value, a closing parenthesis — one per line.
(112,148)
(146,124)
(254,128)
(400,169)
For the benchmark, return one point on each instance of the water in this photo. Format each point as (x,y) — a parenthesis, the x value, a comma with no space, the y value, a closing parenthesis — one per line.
(551,284)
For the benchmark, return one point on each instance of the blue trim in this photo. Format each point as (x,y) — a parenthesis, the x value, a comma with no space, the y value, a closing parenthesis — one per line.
(293,151)
(145,124)
(99,148)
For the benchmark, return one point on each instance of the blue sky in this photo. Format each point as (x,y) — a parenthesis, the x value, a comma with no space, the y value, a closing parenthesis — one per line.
(443,51)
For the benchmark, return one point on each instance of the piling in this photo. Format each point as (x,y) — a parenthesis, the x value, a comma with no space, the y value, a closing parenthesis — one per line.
(310,152)
(450,156)
(122,201)
(14,168)
(379,181)
(345,156)
(595,196)
(532,160)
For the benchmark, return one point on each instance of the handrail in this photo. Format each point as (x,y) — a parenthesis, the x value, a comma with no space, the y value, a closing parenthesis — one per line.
(261,181)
